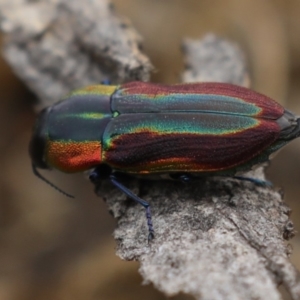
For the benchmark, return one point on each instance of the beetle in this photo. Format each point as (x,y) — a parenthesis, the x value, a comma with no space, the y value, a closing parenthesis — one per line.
(181,132)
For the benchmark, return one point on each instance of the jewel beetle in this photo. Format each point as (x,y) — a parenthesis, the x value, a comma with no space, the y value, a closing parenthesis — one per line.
(148,130)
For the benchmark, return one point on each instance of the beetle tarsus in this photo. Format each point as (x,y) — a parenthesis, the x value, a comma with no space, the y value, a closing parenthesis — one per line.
(137,199)
(149,223)
(150,237)
(259,182)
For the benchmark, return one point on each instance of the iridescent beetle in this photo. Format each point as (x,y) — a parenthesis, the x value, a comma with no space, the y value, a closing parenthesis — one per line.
(143,129)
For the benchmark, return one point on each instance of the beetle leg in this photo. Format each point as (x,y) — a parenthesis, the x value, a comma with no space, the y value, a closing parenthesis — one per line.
(106,82)
(263,183)
(137,199)
(185,177)
(101,172)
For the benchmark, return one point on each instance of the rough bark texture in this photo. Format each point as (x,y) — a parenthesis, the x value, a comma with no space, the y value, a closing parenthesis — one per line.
(214,59)
(215,239)
(56,46)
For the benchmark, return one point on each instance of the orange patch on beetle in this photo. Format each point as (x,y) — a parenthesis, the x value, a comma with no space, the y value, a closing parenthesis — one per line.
(74,156)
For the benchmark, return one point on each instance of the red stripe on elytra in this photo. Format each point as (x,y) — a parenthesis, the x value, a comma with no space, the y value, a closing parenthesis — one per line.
(148,151)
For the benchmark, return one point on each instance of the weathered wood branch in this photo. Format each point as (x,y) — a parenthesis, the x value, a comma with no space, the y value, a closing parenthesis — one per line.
(56,46)
(215,239)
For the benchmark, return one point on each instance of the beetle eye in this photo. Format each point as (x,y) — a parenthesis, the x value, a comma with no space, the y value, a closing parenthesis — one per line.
(38,141)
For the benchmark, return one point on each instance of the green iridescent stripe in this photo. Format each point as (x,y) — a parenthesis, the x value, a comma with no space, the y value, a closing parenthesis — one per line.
(211,103)
(84,115)
(178,123)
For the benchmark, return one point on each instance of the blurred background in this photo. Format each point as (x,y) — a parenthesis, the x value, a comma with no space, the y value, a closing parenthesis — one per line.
(52,247)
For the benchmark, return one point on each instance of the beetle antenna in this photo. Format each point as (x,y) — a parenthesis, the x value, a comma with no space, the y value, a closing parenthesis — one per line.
(40,176)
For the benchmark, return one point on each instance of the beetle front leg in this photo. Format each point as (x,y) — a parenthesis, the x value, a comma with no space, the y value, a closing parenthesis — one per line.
(137,199)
